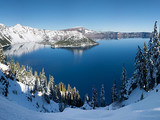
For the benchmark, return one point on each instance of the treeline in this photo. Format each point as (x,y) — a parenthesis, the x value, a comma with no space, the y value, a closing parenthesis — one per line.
(146,74)
(51,91)
(147,69)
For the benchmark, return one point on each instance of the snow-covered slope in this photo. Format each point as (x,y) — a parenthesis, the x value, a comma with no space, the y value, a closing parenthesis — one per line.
(20,94)
(147,109)
(21,34)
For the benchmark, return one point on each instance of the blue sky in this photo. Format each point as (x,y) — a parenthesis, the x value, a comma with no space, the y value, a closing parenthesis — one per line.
(101,15)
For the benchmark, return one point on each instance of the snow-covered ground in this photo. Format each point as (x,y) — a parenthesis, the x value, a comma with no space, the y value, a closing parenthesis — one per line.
(146,109)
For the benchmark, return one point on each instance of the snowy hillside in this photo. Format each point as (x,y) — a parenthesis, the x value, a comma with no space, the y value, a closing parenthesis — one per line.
(21,34)
(20,94)
(147,109)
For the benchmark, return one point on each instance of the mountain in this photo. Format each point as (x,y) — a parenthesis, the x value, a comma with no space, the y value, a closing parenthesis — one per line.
(75,41)
(22,34)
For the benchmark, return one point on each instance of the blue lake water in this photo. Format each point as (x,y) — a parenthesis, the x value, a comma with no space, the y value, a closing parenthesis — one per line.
(83,68)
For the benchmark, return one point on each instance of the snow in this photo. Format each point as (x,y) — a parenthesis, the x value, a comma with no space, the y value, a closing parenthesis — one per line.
(3,67)
(19,93)
(22,34)
(146,109)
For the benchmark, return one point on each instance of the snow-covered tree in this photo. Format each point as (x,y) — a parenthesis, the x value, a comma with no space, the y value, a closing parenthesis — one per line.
(139,67)
(94,98)
(144,66)
(51,88)
(2,57)
(156,52)
(12,66)
(102,96)
(114,93)
(124,82)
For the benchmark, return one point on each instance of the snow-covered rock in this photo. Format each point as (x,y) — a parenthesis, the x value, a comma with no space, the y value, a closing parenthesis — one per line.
(21,34)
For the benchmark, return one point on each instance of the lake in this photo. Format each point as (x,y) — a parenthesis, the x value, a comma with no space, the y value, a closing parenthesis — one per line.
(83,68)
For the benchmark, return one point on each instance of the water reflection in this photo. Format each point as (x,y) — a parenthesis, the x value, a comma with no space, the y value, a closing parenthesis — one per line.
(23,48)
(78,51)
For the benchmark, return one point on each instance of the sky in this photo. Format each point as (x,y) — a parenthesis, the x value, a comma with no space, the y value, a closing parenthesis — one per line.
(99,15)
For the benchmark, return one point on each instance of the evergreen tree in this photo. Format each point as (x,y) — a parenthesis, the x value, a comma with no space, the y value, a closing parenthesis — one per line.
(12,67)
(102,96)
(2,57)
(43,82)
(94,98)
(114,93)
(142,97)
(144,66)
(37,82)
(155,56)
(51,88)
(123,91)
(139,67)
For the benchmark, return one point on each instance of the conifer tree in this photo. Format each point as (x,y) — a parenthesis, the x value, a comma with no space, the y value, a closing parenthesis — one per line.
(51,88)
(102,96)
(155,56)
(94,98)
(139,67)
(37,82)
(123,90)
(2,57)
(114,93)
(144,66)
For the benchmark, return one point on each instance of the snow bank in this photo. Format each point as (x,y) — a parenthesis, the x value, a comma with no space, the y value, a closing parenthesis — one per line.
(3,67)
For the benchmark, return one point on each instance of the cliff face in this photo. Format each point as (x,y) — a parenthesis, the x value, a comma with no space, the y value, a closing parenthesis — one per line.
(109,35)
(118,35)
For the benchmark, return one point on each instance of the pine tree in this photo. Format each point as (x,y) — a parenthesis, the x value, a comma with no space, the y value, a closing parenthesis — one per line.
(18,72)
(144,66)
(94,98)
(102,96)
(114,93)
(43,82)
(142,97)
(139,67)
(155,56)
(2,57)
(12,67)
(51,88)
(123,91)
(37,82)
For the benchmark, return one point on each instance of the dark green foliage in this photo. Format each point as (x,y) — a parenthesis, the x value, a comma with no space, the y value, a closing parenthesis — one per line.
(102,96)
(114,93)
(94,98)
(142,97)
(124,82)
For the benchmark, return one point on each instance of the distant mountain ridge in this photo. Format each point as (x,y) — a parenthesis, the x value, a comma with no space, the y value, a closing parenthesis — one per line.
(21,34)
